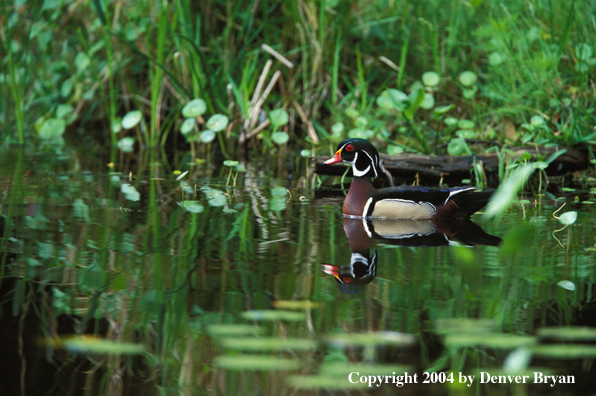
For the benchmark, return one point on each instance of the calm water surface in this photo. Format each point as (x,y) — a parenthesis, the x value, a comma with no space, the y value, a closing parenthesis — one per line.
(121,284)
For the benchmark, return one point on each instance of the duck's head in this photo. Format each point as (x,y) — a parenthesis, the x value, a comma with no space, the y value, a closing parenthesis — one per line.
(361,154)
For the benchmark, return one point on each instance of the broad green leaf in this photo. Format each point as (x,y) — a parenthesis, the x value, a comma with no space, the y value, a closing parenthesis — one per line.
(278,117)
(415,99)
(207,136)
(81,61)
(431,79)
(467,78)
(466,124)
(52,128)
(428,102)
(393,99)
(568,218)
(131,119)
(217,122)
(187,126)
(194,108)
(126,144)
(443,109)
(280,137)
(193,206)
(507,191)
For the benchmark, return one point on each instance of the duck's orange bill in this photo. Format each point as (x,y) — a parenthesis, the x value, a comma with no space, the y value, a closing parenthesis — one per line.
(331,270)
(336,158)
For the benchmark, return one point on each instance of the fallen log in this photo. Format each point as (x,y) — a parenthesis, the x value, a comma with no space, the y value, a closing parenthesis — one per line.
(447,167)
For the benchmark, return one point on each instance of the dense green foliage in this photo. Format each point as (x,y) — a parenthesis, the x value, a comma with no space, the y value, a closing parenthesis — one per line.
(512,70)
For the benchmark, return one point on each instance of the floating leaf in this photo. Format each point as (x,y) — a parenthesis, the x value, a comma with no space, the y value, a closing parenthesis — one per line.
(272,315)
(130,192)
(567,285)
(215,197)
(227,330)
(207,136)
(568,218)
(52,128)
(126,144)
(279,117)
(194,108)
(193,206)
(467,78)
(267,344)
(187,126)
(255,363)
(131,119)
(431,79)
(280,137)
(217,122)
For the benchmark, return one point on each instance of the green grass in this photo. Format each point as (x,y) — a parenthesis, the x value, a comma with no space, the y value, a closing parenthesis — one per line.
(530,59)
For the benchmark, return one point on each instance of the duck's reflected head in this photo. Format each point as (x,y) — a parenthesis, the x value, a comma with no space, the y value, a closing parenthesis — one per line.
(352,278)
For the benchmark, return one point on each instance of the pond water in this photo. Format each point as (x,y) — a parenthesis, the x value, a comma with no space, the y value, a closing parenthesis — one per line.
(120,284)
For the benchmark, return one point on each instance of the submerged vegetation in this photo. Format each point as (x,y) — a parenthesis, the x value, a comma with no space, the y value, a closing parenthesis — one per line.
(411,75)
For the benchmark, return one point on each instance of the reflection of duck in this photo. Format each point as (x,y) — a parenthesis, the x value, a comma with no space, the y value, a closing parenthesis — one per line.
(362,233)
(363,200)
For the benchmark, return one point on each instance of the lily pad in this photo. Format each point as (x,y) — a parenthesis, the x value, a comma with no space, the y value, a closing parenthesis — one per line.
(217,122)
(193,206)
(131,119)
(194,108)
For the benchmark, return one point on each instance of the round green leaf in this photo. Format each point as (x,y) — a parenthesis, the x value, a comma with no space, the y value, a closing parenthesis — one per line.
(352,113)
(231,163)
(466,124)
(583,51)
(117,125)
(467,78)
(305,153)
(537,120)
(126,145)
(361,122)
(187,126)
(428,102)
(280,137)
(207,136)
(217,122)
(81,61)
(279,191)
(456,147)
(466,134)
(52,128)
(581,67)
(193,206)
(358,133)
(337,128)
(431,79)
(451,121)
(279,117)
(495,59)
(393,150)
(194,108)
(131,119)
(568,218)
(469,93)
(540,165)
(393,99)
(567,285)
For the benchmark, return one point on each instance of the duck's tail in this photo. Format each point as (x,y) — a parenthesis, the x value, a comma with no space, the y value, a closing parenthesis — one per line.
(463,204)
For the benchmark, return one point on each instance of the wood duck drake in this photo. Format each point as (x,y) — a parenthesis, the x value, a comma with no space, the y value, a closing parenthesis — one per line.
(364,201)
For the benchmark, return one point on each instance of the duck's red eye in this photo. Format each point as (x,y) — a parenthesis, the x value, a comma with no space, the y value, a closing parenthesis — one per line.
(349,147)
(348,280)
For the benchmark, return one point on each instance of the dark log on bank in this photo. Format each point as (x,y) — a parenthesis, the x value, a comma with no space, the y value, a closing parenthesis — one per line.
(435,167)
